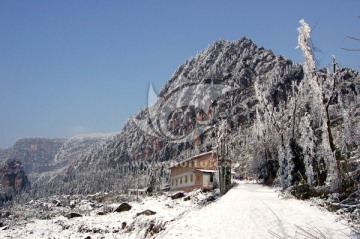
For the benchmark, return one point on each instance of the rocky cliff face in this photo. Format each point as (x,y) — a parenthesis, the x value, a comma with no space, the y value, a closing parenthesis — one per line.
(12,174)
(13,180)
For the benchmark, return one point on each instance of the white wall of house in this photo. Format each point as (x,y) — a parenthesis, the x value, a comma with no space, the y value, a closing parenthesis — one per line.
(180,181)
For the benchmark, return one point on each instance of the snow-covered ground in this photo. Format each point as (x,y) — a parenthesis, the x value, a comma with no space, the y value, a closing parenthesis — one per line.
(247,211)
(126,224)
(255,211)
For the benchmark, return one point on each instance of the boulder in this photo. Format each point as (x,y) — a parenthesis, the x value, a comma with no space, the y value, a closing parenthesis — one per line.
(123,207)
(178,195)
(146,213)
(211,198)
(123,225)
(73,214)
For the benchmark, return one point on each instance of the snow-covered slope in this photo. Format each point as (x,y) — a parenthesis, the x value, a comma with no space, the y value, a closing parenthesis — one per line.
(75,146)
(246,211)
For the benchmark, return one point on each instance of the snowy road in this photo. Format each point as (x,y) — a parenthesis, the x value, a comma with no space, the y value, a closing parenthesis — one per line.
(250,211)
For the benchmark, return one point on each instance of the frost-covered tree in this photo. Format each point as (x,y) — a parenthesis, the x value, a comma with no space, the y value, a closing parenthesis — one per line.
(318,91)
(307,143)
(271,137)
(296,132)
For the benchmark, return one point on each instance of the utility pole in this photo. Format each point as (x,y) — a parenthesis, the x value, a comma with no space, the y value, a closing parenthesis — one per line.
(222,153)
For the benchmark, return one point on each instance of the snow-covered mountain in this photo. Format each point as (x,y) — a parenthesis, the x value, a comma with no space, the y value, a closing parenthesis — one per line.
(281,124)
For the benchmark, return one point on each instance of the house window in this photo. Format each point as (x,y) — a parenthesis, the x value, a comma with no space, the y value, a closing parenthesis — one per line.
(211,178)
(191,178)
(186,179)
(198,177)
(180,180)
(176,181)
(172,182)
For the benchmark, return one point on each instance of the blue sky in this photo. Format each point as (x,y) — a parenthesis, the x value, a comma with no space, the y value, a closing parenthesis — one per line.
(70,67)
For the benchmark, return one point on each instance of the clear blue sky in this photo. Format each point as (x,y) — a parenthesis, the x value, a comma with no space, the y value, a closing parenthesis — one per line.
(70,67)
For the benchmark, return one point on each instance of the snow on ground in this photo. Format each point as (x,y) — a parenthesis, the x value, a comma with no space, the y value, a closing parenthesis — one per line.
(250,211)
(246,211)
(111,225)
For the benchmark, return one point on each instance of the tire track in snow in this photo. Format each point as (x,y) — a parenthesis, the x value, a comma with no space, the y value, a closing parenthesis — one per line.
(279,221)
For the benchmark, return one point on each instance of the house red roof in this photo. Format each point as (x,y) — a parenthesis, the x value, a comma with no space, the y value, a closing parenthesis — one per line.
(192,158)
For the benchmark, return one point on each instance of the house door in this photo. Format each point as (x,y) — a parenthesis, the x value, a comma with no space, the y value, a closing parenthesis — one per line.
(206,180)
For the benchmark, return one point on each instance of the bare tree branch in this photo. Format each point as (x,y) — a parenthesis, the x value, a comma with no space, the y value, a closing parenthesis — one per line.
(353,38)
(347,49)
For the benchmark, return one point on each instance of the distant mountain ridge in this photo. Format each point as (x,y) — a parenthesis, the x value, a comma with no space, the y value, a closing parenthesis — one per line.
(35,153)
(41,156)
